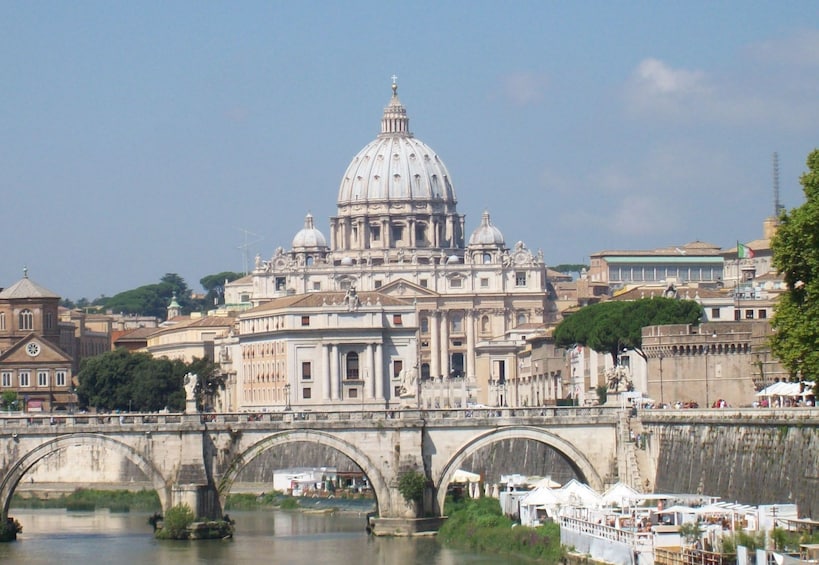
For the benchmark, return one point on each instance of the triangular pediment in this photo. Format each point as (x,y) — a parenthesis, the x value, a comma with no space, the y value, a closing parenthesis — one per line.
(403,288)
(34,350)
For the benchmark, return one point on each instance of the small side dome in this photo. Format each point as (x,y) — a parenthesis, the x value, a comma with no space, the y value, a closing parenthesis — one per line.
(453,259)
(309,237)
(486,234)
(347,260)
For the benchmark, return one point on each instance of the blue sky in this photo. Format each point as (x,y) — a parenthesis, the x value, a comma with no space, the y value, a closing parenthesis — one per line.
(141,138)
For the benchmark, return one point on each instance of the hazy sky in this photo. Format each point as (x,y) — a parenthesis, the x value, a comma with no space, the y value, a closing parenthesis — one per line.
(141,138)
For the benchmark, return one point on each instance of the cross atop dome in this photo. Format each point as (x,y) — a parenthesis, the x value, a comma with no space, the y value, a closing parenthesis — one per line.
(395,120)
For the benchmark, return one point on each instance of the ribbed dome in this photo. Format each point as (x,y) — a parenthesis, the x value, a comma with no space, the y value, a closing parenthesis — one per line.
(395,166)
(309,237)
(486,233)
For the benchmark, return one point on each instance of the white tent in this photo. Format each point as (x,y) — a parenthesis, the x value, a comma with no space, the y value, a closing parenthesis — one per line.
(788,390)
(546,482)
(620,495)
(462,476)
(576,493)
(539,503)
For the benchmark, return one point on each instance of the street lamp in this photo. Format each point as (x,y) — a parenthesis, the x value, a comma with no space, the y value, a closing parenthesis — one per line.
(662,397)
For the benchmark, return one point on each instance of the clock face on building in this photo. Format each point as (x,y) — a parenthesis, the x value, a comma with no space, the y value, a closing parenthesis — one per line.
(33,349)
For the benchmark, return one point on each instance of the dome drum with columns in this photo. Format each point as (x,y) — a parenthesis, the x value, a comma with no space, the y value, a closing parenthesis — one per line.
(398,233)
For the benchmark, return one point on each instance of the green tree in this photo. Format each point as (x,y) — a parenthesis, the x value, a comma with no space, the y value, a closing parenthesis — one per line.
(796,255)
(214,285)
(8,401)
(152,299)
(569,268)
(615,325)
(121,380)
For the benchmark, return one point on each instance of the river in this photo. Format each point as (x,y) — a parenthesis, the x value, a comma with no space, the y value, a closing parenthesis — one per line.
(90,538)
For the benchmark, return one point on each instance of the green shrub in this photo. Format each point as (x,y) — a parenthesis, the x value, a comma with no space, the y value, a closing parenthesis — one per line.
(176,523)
(411,485)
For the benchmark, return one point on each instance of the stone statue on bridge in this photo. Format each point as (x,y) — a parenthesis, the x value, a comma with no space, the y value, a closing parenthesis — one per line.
(191,380)
(409,397)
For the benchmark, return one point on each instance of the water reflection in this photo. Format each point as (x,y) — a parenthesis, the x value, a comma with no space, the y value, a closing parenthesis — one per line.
(90,538)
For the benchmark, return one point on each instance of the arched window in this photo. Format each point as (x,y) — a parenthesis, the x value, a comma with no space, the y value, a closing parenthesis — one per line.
(352,365)
(487,258)
(26,320)
(484,324)
(521,318)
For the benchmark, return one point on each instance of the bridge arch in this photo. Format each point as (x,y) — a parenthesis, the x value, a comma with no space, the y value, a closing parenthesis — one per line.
(579,463)
(16,472)
(373,473)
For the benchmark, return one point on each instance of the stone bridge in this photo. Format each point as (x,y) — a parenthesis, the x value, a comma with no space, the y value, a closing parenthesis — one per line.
(194,458)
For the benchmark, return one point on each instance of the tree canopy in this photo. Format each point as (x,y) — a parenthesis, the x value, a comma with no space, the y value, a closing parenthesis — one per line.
(796,255)
(568,268)
(215,286)
(121,380)
(614,325)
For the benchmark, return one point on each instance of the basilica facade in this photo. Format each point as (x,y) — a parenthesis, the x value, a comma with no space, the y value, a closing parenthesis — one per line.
(397,301)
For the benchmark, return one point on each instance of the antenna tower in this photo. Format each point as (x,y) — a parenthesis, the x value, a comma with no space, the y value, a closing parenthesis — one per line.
(777,205)
(245,247)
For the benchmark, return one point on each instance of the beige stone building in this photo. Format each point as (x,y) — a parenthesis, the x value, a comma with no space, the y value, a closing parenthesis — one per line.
(398,232)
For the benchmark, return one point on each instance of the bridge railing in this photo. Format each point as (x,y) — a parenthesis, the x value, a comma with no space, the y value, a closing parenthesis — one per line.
(298,417)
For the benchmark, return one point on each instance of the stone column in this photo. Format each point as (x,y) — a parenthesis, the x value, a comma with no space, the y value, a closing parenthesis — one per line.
(379,372)
(434,345)
(444,344)
(335,386)
(469,320)
(370,376)
(327,381)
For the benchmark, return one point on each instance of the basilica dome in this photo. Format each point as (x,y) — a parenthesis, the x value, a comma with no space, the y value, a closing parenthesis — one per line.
(309,237)
(395,166)
(486,233)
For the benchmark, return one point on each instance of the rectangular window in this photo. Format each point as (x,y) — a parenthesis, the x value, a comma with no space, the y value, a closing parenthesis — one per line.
(455,283)
(316,285)
(397,233)
(25,378)
(520,278)
(396,319)
(353,393)
(6,379)
(306,371)
(2,320)
(281,283)
(42,378)
(307,393)
(714,313)
(749,314)
(61,378)
(378,284)
(397,367)
(484,283)
(737,315)
(49,320)
(245,298)
(376,233)
(423,283)
(762,314)
(305,320)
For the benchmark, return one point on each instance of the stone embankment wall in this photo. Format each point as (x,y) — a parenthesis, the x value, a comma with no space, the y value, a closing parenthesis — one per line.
(765,459)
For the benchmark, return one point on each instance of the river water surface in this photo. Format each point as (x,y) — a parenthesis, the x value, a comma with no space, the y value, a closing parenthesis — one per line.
(278,537)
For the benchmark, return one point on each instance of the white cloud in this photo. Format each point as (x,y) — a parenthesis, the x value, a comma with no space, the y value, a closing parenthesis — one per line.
(524,88)
(656,78)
